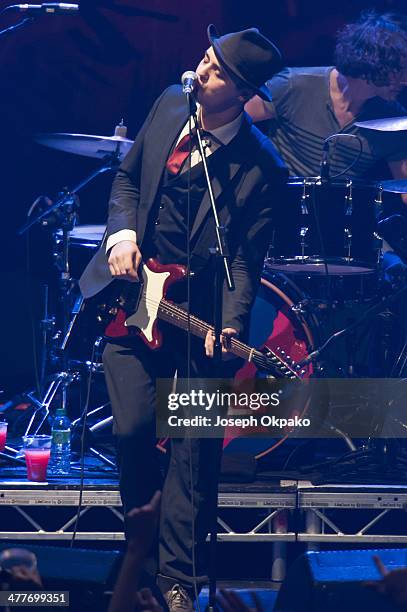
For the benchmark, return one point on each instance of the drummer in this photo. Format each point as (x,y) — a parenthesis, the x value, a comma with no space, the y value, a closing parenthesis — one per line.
(311,104)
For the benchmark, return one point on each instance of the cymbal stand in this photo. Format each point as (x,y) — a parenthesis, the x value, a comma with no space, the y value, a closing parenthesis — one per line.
(63,215)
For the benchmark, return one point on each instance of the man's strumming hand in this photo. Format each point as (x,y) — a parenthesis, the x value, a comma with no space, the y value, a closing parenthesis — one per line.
(124,260)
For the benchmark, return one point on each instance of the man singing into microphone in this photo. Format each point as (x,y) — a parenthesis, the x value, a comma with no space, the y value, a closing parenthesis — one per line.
(148,217)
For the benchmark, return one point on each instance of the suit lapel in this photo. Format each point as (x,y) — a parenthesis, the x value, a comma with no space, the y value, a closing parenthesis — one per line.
(163,138)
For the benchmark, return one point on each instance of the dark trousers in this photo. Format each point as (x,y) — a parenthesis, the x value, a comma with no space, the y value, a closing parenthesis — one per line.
(189,492)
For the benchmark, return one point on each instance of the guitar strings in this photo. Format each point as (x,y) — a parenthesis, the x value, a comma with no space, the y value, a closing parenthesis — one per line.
(257,356)
(203,327)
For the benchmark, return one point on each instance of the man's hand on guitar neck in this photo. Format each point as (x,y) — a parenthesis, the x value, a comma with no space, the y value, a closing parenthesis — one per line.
(124,260)
(227,334)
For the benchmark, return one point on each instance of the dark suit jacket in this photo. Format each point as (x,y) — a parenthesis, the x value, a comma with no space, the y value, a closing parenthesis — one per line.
(244,188)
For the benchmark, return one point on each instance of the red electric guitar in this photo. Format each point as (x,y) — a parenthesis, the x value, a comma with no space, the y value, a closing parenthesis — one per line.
(136,308)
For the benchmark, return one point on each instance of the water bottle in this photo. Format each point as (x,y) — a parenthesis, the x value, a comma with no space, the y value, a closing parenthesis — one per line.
(60,463)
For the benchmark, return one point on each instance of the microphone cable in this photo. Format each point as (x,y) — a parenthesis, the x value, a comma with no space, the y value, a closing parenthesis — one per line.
(356,158)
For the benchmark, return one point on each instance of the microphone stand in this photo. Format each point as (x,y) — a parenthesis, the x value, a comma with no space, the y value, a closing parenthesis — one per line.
(222,271)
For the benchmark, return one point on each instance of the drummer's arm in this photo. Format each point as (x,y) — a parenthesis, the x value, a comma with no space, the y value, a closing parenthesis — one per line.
(399,171)
(259,109)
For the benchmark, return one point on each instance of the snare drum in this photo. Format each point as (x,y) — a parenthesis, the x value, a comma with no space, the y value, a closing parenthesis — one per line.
(83,242)
(86,236)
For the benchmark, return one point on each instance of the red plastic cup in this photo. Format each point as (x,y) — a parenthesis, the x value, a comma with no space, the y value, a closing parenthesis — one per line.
(3,434)
(37,451)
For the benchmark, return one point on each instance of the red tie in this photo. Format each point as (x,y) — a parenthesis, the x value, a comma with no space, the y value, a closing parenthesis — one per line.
(179,154)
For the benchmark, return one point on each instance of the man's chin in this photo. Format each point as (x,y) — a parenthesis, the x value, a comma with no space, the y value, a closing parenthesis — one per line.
(199,95)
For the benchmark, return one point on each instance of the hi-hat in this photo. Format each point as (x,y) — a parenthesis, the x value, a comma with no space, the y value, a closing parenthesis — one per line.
(87,144)
(389,124)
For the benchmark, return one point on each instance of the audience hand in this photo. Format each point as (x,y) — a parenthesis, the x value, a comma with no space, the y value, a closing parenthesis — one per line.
(146,602)
(21,574)
(231,602)
(393,583)
(141,525)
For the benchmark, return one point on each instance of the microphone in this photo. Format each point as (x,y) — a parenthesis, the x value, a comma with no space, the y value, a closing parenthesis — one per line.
(51,8)
(188,80)
(324,167)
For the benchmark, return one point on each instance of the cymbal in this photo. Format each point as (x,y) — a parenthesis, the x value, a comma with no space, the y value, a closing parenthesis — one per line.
(389,124)
(394,186)
(86,144)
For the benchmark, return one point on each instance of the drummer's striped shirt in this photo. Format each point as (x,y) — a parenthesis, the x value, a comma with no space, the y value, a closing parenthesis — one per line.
(305,117)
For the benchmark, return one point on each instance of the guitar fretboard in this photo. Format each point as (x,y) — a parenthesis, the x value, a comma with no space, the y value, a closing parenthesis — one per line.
(177,316)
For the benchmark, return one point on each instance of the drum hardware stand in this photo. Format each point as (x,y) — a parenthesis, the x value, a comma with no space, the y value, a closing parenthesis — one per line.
(65,209)
(378,201)
(349,200)
(77,426)
(350,352)
(304,197)
(378,248)
(348,243)
(300,308)
(303,244)
(110,163)
(47,327)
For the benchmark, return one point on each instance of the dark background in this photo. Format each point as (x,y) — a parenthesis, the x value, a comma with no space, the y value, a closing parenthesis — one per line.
(83,75)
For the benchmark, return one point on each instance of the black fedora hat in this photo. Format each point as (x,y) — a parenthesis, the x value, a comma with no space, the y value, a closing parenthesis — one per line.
(247,56)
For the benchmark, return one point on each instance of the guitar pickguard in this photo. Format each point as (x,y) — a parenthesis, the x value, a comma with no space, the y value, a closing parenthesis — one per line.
(151,294)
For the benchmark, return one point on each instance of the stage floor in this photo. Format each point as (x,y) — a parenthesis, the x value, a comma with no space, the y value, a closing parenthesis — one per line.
(265,510)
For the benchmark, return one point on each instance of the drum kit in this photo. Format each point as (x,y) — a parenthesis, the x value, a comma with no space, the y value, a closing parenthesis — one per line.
(322,273)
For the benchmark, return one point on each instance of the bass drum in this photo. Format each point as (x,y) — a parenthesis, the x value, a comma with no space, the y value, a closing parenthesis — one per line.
(277,324)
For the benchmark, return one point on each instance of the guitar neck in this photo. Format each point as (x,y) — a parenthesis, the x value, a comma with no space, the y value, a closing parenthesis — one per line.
(177,316)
